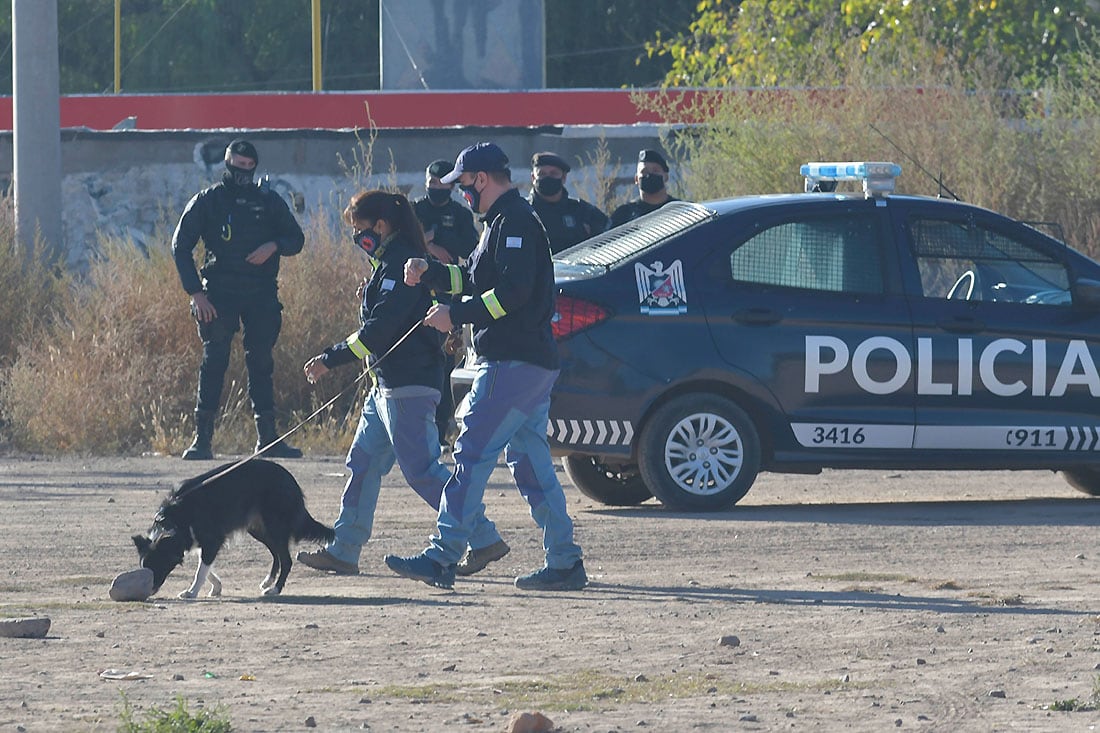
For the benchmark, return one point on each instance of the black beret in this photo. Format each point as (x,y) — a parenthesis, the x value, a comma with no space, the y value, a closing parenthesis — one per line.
(242,147)
(548,158)
(440,168)
(652,156)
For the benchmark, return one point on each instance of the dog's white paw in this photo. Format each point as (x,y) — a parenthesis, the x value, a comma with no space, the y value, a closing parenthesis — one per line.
(215,591)
(272,591)
(268,582)
(187,595)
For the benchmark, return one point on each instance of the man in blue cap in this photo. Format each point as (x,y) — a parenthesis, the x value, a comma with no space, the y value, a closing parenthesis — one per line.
(511,280)
(652,181)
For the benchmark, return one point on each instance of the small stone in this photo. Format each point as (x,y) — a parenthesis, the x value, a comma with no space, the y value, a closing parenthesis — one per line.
(177,677)
(364,701)
(923,717)
(921,661)
(748,718)
(640,678)
(1079,556)
(1067,655)
(100,634)
(133,585)
(311,722)
(897,723)
(729,640)
(996,693)
(449,668)
(35,627)
(940,629)
(312,626)
(846,678)
(530,723)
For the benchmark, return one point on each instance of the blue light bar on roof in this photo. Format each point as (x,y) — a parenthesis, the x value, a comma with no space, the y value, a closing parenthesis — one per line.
(877,177)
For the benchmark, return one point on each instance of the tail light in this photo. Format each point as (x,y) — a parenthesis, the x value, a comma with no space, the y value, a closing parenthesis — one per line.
(573,315)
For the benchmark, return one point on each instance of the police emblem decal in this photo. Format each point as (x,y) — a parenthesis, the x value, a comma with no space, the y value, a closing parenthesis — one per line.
(661,291)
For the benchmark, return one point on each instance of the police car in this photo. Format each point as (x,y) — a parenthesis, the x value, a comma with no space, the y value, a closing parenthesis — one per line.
(704,343)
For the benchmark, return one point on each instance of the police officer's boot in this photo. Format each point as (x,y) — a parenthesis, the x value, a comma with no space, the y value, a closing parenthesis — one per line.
(266,433)
(204,433)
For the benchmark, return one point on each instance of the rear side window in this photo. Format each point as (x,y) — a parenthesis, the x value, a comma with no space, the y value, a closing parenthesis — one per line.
(835,254)
(966,260)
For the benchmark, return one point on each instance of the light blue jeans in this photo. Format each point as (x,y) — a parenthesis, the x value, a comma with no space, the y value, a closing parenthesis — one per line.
(507,410)
(399,426)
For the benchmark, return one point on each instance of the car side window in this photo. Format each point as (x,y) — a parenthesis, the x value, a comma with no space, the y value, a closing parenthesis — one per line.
(964,260)
(831,253)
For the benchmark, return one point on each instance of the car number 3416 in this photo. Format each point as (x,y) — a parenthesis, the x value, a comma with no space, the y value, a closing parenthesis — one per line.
(838,435)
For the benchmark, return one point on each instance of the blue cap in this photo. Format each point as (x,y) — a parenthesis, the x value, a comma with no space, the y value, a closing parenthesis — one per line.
(480,157)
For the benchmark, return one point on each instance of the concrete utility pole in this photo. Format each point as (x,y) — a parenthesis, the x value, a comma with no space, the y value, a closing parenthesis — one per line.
(36,124)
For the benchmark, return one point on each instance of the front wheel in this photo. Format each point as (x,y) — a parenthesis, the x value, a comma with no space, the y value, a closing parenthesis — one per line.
(699,452)
(615,485)
(1085,479)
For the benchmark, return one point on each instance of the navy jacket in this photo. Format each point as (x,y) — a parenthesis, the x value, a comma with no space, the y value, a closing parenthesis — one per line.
(232,221)
(511,279)
(389,309)
(634,209)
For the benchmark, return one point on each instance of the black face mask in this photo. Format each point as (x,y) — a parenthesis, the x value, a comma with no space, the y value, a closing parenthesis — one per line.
(235,176)
(367,240)
(548,186)
(651,182)
(439,196)
(473,196)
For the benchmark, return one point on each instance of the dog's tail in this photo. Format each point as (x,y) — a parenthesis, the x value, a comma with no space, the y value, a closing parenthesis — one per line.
(310,529)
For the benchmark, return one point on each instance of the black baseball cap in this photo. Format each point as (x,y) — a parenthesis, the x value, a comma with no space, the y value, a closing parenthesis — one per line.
(480,157)
(652,156)
(439,168)
(548,158)
(242,147)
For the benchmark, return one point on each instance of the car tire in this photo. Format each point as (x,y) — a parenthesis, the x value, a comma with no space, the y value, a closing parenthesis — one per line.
(680,477)
(606,483)
(1085,479)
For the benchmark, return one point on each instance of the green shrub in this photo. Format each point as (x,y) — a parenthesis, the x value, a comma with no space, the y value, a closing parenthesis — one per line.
(175,720)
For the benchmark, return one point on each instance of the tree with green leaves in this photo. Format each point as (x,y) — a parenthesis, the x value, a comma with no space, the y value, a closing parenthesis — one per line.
(781,42)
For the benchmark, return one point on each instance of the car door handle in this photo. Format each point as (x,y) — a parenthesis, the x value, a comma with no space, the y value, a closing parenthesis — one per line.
(961,324)
(757,316)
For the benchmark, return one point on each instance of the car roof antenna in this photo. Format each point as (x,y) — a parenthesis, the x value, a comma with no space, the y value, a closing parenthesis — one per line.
(938,179)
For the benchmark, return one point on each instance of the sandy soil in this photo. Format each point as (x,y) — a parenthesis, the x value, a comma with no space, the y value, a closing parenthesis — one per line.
(861,601)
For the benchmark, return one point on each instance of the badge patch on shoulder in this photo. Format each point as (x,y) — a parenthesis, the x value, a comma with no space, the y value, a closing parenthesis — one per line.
(661,291)
(388,283)
(513,242)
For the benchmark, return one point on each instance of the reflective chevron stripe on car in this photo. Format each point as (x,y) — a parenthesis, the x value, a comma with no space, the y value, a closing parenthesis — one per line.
(591,432)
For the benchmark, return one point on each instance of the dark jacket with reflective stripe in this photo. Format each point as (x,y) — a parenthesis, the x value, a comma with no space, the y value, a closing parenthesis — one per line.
(511,268)
(568,221)
(232,221)
(389,310)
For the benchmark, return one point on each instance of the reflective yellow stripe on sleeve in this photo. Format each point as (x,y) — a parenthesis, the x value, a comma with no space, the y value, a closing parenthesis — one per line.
(456,279)
(357,346)
(496,310)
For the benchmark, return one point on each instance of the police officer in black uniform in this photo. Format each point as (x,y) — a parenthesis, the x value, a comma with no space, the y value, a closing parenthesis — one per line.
(652,181)
(245,229)
(448,225)
(567,220)
(451,236)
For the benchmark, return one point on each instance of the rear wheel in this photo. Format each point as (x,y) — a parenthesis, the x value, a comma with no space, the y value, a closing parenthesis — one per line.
(612,484)
(1085,479)
(699,452)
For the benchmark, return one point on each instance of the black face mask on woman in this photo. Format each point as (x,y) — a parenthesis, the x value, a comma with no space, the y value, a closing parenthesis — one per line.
(651,182)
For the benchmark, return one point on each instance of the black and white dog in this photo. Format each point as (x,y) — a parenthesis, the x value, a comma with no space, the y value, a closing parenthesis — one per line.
(258,496)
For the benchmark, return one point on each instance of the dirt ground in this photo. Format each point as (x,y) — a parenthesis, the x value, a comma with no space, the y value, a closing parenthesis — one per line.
(863,601)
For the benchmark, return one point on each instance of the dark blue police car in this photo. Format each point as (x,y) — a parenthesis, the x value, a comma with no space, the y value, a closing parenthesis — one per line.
(704,343)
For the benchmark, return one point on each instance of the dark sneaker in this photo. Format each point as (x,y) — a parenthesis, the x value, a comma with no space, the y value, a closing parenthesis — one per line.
(198,453)
(474,561)
(326,562)
(423,568)
(573,578)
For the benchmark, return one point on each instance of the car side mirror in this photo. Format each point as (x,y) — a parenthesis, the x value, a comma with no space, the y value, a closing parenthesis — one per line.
(1086,293)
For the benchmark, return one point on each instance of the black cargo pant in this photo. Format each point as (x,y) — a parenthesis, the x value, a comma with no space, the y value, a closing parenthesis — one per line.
(260,313)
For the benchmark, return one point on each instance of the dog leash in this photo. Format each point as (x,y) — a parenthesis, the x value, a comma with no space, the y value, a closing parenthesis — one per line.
(316,412)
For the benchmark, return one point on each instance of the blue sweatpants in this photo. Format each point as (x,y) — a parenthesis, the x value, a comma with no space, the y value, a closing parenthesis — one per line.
(400,429)
(507,410)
